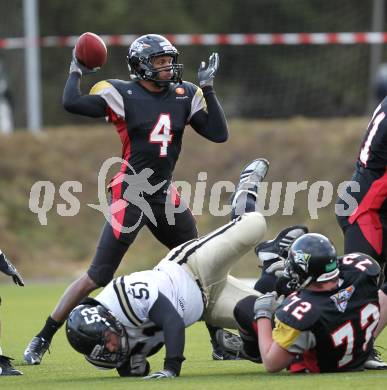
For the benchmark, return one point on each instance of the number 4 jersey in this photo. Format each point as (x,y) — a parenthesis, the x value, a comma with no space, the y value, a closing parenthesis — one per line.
(333,330)
(150,125)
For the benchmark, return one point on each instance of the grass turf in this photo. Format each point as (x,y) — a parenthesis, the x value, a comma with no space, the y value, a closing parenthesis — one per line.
(24,310)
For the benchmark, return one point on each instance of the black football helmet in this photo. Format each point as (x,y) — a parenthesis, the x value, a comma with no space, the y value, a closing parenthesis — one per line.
(87,328)
(312,258)
(144,49)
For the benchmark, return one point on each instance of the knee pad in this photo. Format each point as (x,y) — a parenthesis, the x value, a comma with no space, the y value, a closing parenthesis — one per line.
(244,314)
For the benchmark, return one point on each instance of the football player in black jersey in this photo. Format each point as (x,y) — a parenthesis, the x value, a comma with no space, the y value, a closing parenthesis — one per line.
(365,226)
(150,113)
(327,324)
(6,368)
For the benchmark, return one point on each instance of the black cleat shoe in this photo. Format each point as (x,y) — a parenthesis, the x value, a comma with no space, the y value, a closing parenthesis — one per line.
(233,344)
(227,351)
(279,246)
(218,354)
(250,177)
(35,350)
(6,368)
(374,361)
(229,342)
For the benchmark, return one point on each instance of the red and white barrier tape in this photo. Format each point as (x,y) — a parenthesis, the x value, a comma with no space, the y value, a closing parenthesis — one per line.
(343,38)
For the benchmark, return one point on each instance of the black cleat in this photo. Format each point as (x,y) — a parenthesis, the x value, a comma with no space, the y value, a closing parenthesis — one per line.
(250,177)
(229,343)
(233,344)
(279,246)
(35,350)
(374,361)
(6,368)
(230,350)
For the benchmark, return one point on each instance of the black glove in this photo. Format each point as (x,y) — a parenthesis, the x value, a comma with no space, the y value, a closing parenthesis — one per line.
(206,75)
(9,269)
(76,66)
(162,374)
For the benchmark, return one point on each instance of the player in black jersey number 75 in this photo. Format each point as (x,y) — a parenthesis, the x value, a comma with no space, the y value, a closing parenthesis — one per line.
(150,113)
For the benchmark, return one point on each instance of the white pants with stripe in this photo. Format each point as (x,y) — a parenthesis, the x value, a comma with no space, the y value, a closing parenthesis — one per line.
(210,259)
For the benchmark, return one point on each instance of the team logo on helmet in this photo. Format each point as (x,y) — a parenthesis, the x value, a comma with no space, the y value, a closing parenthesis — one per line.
(301,259)
(139,46)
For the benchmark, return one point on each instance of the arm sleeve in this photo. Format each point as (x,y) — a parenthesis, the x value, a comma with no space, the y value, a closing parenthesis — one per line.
(211,124)
(291,339)
(73,101)
(164,315)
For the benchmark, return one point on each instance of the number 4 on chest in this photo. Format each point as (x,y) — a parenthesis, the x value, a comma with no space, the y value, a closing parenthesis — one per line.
(162,133)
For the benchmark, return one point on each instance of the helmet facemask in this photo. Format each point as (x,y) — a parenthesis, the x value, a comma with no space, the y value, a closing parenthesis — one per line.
(146,71)
(88,330)
(296,269)
(100,353)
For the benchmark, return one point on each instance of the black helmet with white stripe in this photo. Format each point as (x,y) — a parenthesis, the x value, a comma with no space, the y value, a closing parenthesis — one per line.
(89,327)
(142,52)
(312,258)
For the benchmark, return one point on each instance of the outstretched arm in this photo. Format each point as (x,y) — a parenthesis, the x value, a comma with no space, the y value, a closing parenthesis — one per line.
(212,124)
(165,316)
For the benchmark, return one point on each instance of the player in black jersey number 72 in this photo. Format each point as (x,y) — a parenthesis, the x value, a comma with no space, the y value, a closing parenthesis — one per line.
(327,324)
(150,113)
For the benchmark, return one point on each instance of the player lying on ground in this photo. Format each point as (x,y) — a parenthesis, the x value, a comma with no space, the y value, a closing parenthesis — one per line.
(135,315)
(9,269)
(328,322)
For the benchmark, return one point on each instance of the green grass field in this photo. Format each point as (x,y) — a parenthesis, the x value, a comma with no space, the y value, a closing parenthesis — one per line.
(24,309)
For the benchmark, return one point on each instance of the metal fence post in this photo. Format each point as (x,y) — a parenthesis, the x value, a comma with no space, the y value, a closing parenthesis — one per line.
(32,65)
